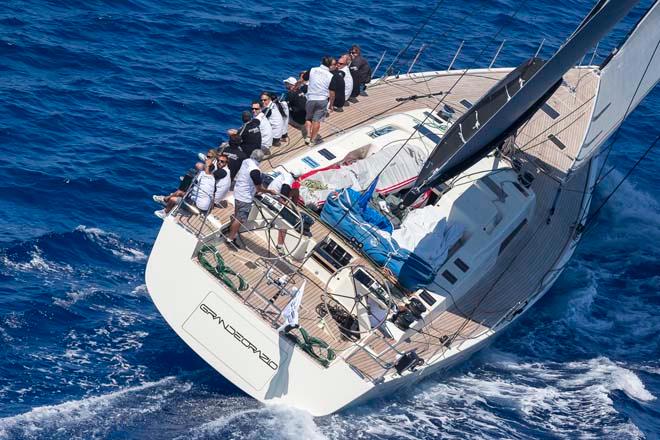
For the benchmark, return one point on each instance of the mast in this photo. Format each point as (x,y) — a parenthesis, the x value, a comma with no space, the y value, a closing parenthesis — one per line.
(475,134)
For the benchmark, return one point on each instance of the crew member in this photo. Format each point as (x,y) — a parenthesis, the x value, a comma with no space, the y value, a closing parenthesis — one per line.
(318,91)
(264,127)
(248,182)
(250,134)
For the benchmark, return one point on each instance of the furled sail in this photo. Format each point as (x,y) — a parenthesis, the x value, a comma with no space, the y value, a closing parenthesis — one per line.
(626,77)
(458,151)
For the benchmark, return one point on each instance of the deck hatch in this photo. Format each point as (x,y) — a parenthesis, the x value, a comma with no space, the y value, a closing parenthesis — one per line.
(461,265)
(311,162)
(467,104)
(548,110)
(428,133)
(435,118)
(557,142)
(449,276)
(327,154)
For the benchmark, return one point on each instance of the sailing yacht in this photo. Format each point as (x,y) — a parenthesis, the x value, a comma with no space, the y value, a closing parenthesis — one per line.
(435,213)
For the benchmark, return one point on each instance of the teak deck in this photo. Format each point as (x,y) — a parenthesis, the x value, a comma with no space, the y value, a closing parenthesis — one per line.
(522,269)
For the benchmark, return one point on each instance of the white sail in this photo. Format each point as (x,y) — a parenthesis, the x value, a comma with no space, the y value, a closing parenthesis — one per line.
(629,75)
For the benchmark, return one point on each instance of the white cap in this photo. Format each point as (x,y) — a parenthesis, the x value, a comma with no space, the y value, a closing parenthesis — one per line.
(290,80)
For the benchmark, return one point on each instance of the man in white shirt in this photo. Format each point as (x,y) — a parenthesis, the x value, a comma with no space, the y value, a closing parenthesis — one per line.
(264,126)
(201,193)
(343,65)
(248,182)
(275,117)
(317,97)
(282,184)
(222,181)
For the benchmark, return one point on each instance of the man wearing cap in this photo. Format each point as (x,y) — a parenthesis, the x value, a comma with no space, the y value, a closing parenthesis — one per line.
(296,100)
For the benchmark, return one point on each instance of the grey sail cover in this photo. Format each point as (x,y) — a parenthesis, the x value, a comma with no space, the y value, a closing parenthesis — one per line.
(449,159)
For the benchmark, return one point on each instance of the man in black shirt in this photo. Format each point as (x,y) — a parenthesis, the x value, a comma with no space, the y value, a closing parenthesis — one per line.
(360,71)
(235,153)
(337,89)
(250,134)
(296,99)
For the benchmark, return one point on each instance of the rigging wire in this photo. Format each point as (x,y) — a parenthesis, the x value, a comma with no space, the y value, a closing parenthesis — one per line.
(412,40)
(589,223)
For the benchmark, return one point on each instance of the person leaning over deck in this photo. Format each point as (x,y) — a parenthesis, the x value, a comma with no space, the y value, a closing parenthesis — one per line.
(361,72)
(275,116)
(265,128)
(248,182)
(337,89)
(343,64)
(296,100)
(318,91)
(222,177)
(250,134)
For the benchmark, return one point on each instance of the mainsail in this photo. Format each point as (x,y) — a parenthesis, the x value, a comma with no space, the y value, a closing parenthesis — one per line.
(474,135)
(626,77)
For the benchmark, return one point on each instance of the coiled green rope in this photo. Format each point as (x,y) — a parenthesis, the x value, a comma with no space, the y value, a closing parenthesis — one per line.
(220,270)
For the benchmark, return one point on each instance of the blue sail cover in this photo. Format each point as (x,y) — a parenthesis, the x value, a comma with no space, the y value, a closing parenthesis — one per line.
(368,229)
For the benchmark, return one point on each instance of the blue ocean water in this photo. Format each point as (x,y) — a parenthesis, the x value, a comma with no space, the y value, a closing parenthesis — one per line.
(103,103)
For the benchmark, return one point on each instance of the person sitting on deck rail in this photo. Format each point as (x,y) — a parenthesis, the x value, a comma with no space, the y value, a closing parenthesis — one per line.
(264,127)
(234,152)
(248,183)
(361,72)
(275,115)
(318,92)
(296,101)
(222,177)
(201,193)
(250,134)
(337,88)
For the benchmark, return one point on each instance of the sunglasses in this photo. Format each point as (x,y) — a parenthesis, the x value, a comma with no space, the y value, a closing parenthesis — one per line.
(256,109)
(222,161)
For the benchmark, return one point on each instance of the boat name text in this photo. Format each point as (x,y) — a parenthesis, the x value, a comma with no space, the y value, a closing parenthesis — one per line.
(239,337)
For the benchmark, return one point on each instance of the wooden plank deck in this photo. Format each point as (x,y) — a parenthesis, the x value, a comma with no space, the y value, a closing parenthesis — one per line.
(522,268)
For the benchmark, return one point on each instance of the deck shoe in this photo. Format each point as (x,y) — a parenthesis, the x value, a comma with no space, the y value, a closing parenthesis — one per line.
(159,199)
(232,245)
(352,99)
(160,213)
(307,140)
